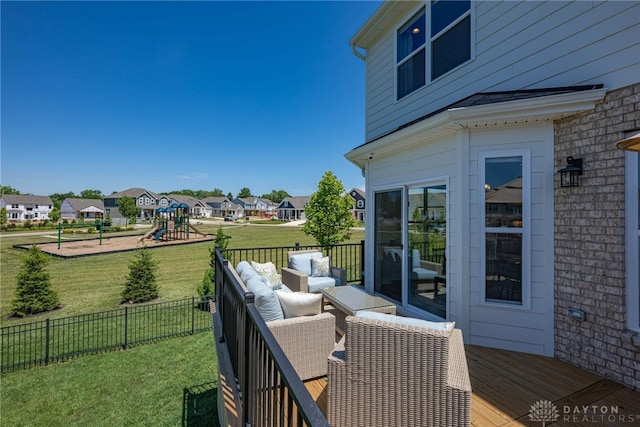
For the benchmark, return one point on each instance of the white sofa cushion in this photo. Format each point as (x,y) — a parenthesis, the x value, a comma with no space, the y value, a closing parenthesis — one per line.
(317,283)
(302,262)
(439,326)
(296,304)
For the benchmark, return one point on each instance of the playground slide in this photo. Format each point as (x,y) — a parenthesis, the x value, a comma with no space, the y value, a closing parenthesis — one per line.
(196,230)
(160,233)
(149,233)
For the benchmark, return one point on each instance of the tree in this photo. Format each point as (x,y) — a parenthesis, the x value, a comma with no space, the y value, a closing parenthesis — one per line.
(276,196)
(141,284)
(328,212)
(91,194)
(230,195)
(54,215)
(221,241)
(217,192)
(33,288)
(5,189)
(128,209)
(4,216)
(244,192)
(58,198)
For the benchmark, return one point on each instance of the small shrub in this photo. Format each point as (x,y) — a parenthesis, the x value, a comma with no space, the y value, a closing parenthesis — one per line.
(27,224)
(33,288)
(141,284)
(207,286)
(91,230)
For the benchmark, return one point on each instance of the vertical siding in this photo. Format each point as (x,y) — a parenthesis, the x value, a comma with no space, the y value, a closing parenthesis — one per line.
(518,45)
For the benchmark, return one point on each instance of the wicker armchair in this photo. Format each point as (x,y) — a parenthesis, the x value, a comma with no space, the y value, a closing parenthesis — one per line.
(301,280)
(387,374)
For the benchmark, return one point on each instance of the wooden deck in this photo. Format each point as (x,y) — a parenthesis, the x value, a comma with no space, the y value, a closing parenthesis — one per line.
(506,384)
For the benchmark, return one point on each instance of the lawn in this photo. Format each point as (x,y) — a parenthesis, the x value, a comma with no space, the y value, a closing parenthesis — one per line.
(170,382)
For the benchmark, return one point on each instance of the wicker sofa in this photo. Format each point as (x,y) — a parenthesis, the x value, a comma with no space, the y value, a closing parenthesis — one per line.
(298,273)
(306,340)
(391,372)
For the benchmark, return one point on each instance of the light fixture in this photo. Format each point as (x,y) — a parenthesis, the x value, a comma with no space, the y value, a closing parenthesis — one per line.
(416,30)
(631,143)
(570,173)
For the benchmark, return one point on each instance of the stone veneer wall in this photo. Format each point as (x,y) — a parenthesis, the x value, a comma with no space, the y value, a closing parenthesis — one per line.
(590,241)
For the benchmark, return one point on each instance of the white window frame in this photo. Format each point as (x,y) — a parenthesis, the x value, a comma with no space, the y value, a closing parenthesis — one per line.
(632,241)
(428,45)
(525,230)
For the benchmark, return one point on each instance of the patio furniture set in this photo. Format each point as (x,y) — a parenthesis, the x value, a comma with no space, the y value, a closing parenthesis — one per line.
(385,370)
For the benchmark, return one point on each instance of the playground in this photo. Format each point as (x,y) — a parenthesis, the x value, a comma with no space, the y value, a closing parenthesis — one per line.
(171,227)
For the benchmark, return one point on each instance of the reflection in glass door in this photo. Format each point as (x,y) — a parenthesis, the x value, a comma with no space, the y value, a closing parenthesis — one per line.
(427,241)
(388,244)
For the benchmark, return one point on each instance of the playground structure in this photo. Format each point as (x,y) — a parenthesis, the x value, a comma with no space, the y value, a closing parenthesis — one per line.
(172,223)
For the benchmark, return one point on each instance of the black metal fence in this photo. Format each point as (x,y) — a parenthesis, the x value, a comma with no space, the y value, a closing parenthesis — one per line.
(349,256)
(272,392)
(54,340)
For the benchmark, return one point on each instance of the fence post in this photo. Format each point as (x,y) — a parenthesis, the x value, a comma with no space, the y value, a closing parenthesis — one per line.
(46,356)
(126,327)
(193,315)
(297,245)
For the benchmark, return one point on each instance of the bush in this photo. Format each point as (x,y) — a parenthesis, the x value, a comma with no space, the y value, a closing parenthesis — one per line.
(141,284)
(27,224)
(33,290)
(207,286)
(91,230)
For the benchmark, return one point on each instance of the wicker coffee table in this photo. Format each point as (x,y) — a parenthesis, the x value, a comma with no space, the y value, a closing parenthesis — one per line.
(347,300)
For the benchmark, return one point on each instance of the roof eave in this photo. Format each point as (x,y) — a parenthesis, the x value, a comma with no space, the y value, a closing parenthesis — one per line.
(531,110)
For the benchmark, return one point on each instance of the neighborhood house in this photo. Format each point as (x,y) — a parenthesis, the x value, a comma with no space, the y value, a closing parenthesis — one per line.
(24,207)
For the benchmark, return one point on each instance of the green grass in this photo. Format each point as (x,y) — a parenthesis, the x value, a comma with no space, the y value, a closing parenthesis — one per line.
(94,283)
(154,384)
(158,384)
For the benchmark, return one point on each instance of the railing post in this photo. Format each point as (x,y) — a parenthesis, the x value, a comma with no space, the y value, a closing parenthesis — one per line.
(249,298)
(126,327)
(362,263)
(46,357)
(193,315)
(297,246)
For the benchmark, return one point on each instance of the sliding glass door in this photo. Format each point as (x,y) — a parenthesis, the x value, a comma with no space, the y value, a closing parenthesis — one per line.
(388,244)
(427,241)
(410,247)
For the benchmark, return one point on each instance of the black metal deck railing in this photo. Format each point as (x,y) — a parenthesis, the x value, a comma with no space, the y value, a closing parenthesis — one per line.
(53,340)
(272,392)
(349,256)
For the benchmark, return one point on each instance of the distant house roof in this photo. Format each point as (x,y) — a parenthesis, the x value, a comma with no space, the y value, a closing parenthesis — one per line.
(26,199)
(85,205)
(360,192)
(188,200)
(294,202)
(133,193)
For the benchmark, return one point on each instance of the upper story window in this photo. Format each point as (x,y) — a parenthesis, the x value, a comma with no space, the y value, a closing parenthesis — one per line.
(448,46)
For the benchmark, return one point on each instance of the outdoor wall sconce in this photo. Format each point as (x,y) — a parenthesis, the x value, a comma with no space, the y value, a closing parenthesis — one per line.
(570,173)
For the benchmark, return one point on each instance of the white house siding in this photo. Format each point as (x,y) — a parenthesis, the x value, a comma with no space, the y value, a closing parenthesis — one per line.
(518,45)
(528,329)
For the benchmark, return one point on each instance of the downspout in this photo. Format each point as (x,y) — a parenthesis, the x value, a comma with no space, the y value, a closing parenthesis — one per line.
(357,53)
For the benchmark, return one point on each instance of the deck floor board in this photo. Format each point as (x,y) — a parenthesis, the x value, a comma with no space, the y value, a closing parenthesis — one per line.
(506,384)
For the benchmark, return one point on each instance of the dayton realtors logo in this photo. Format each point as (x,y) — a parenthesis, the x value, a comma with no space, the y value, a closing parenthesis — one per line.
(547,412)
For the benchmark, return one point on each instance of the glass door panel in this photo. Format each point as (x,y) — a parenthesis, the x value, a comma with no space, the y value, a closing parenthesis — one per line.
(388,244)
(427,240)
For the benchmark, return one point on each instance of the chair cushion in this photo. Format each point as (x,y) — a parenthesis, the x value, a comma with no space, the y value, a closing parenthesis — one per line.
(249,273)
(296,304)
(266,300)
(439,326)
(423,274)
(317,283)
(415,258)
(320,267)
(269,273)
(302,262)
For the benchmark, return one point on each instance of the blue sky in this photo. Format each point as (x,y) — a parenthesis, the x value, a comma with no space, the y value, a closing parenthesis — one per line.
(180,95)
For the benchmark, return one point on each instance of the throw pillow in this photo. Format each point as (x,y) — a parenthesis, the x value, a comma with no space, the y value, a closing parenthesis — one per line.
(268,272)
(265,299)
(296,304)
(320,267)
